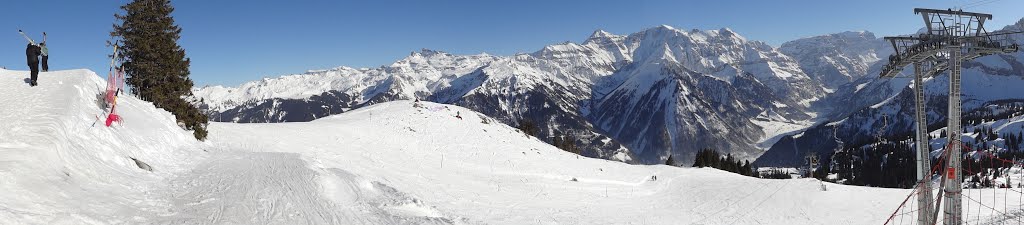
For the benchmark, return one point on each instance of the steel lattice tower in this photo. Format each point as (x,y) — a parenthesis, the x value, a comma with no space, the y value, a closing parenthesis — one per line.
(952,37)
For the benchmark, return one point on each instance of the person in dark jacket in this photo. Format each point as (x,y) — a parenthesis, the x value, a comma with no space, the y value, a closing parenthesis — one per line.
(32,52)
(45,53)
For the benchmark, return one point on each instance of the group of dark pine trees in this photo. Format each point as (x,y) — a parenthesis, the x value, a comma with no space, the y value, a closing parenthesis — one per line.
(155,65)
(713,159)
(893,164)
(985,134)
(887,164)
(566,142)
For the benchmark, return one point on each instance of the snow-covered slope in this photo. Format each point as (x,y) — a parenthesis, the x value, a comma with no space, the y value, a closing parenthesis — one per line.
(425,164)
(389,163)
(57,168)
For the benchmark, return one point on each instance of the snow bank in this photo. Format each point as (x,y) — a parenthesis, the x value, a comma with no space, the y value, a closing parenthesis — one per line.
(57,168)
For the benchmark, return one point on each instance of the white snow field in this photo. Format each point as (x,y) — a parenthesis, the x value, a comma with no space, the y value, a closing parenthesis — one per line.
(390,163)
(57,168)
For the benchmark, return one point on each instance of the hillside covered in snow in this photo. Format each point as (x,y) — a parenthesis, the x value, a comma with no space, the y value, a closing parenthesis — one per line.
(397,162)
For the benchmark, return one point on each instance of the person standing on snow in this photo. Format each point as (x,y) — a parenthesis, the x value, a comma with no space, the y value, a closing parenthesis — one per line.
(45,53)
(32,52)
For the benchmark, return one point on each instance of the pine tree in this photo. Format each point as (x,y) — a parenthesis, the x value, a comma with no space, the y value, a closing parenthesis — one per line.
(670,161)
(155,65)
(698,161)
(747,168)
(992,136)
(738,167)
(727,165)
(825,167)
(716,159)
(1020,136)
(1014,138)
(528,127)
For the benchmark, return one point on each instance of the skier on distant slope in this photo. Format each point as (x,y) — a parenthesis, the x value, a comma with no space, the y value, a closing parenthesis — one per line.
(32,51)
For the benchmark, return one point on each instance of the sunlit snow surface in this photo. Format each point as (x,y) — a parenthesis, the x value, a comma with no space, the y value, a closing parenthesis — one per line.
(390,163)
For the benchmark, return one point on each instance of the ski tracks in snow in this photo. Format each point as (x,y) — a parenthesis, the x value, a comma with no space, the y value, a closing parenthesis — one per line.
(282,188)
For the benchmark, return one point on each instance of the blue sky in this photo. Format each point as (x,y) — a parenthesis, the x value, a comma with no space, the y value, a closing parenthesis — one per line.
(233,41)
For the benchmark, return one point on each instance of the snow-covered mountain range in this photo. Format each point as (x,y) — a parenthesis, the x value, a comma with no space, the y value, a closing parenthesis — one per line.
(836,59)
(638,97)
(861,111)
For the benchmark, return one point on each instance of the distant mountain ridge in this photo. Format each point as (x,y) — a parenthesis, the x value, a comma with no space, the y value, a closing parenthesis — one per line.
(636,98)
(870,107)
(837,59)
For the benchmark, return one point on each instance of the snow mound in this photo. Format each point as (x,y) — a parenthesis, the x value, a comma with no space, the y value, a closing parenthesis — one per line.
(424,164)
(57,167)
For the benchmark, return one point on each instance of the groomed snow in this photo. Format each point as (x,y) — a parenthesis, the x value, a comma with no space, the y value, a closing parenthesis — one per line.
(389,163)
(468,171)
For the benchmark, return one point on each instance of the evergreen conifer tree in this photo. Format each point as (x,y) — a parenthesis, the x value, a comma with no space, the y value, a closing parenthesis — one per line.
(745,169)
(155,65)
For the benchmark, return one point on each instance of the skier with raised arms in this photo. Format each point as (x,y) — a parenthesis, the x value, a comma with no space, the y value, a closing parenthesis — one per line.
(32,52)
